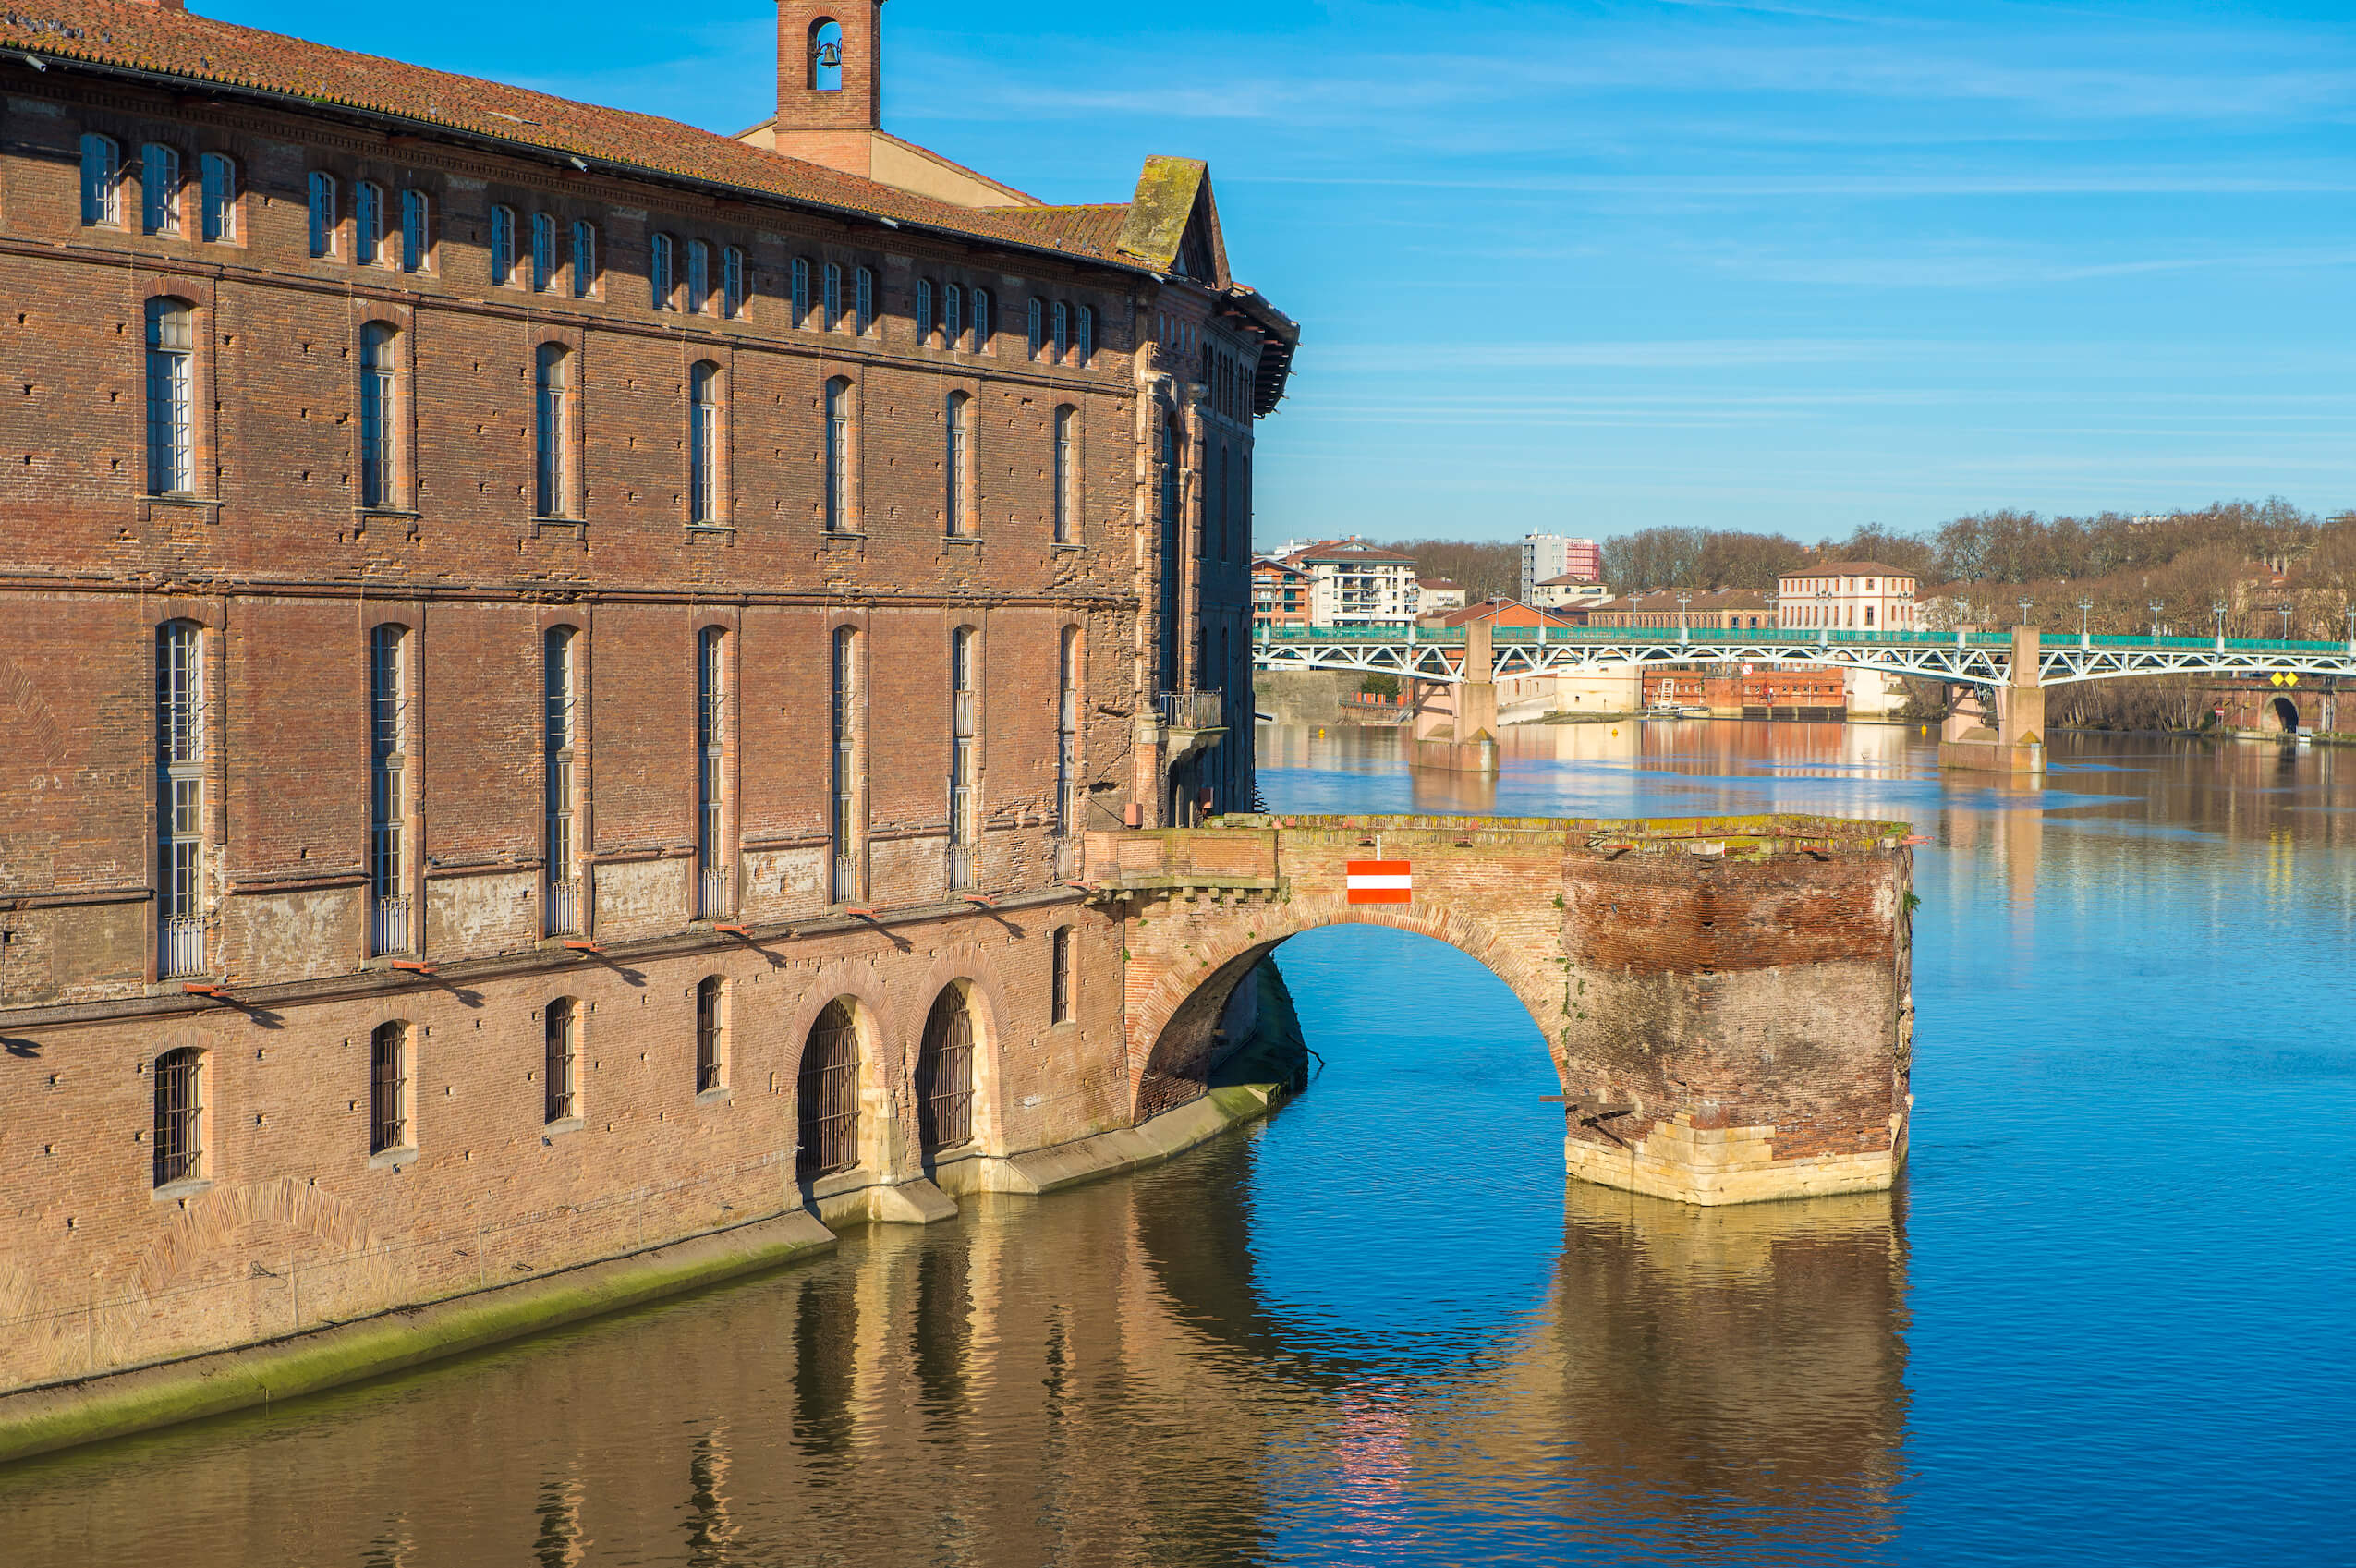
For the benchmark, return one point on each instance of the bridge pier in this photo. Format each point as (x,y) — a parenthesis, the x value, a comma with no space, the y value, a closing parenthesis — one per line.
(2017,743)
(1463,738)
(1727,1002)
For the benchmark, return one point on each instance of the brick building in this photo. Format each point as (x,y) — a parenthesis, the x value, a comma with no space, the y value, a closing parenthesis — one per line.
(529,633)
(1279,595)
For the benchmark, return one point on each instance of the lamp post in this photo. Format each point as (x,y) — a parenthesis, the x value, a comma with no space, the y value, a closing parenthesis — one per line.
(2025,604)
(2351,628)
(2086,639)
(2155,610)
(1684,627)
(2286,621)
(2217,610)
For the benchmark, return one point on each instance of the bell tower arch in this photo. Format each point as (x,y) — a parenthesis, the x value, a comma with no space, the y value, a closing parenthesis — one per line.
(829,67)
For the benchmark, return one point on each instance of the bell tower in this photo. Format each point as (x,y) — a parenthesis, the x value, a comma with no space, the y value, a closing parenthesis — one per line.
(829,67)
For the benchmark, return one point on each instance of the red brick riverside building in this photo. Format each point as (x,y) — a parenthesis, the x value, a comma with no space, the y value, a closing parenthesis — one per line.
(529,635)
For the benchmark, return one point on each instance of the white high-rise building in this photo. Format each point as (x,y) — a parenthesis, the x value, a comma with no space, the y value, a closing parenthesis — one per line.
(1546,555)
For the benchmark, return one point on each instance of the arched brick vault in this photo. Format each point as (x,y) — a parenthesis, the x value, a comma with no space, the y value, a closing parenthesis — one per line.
(1187,960)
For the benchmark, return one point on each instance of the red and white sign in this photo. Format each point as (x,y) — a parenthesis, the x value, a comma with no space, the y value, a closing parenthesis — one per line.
(1380,881)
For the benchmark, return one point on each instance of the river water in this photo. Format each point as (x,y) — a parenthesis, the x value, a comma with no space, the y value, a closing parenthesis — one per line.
(2107,1313)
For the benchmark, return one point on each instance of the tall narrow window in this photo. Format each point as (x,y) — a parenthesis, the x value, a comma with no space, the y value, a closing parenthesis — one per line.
(717,894)
(732,282)
(171,389)
(180,767)
(964,814)
(562,1061)
(1067,472)
(543,251)
(980,302)
(838,455)
(830,304)
(388,867)
(179,1117)
(560,787)
(924,311)
(378,415)
(552,433)
(388,1088)
(584,259)
(102,181)
(415,210)
(1062,319)
(659,273)
(826,57)
(1168,529)
(698,277)
(217,193)
(1036,329)
(321,213)
(158,188)
(863,299)
(953,315)
(801,291)
(1059,1001)
(703,443)
(1087,335)
(367,222)
(711,1002)
(502,244)
(844,711)
(956,463)
(1067,754)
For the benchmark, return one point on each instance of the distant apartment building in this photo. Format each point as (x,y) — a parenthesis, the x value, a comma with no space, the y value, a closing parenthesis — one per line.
(1352,583)
(1847,596)
(1546,555)
(1280,596)
(1569,591)
(1434,595)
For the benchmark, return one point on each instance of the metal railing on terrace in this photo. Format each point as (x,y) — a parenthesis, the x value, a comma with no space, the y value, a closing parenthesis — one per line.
(1189,710)
(1454,636)
(183,947)
(388,926)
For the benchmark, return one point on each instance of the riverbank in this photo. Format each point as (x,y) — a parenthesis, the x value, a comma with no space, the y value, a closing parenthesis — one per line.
(1266,1070)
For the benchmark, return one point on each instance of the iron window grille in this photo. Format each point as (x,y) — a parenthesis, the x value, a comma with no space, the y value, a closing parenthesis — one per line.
(957,463)
(709,1025)
(1066,475)
(844,824)
(1060,977)
(180,755)
(388,1120)
(828,1093)
(562,1060)
(711,845)
(560,794)
(388,746)
(945,1076)
(179,1117)
(964,746)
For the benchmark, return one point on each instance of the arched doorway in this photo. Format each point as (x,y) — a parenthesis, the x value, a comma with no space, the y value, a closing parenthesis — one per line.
(945,1074)
(2286,713)
(830,1094)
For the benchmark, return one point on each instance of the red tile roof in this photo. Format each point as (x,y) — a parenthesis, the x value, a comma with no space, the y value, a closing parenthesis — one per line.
(1846,569)
(127,36)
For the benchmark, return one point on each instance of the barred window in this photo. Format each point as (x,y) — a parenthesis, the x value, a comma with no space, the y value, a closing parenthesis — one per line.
(711,1028)
(180,825)
(388,1122)
(179,1117)
(158,188)
(102,181)
(388,803)
(217,177)
(1060,978)
(1067,471)
(502,244)
(563,1060)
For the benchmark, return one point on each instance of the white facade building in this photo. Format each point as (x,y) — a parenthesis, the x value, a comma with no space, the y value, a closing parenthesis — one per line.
(1847,596)
(1436,594)
(1546,555)
(1568,593)
(1352,583)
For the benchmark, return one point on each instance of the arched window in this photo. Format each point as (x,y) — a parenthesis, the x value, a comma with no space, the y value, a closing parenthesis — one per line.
(502,244)
(388,1088)
(844,715)
(179,1117)
(367,222)
(217,184)
(560,784)
(158,188)
(1067,472)
(732,283)
(180,824)
(171,396)
(953,315)
(388,869)
(415,239)
(717,890)
(658,272)
(544,252)
(965,744)
(562,1060)
(552,432)
(945,1075)
(102,181)
(1060,989)
(699,276)
(956,463)
(711,1034)
(703,443)
(828,1093)
(585,272)
(837,455)
(321,213)
(379,417)
(826,56)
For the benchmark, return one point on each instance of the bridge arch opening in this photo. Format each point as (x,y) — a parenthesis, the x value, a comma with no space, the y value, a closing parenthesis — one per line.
(2286,714)
(945,1074)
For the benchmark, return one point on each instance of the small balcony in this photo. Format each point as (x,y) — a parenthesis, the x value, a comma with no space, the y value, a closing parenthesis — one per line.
(1189,710)
(182,953)
(715,894)
(388,926)
(564,901)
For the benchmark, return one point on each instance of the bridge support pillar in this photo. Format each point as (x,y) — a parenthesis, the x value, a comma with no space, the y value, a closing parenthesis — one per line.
(2017,744)
(1467,743)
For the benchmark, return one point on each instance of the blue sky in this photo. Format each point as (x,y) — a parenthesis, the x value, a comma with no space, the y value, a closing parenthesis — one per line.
(1590,268)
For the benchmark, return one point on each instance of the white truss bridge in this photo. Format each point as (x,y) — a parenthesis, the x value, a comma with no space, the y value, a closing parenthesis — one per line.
(1976,658)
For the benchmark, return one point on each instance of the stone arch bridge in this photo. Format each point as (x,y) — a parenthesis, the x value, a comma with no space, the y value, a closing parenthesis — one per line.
(1727,1000)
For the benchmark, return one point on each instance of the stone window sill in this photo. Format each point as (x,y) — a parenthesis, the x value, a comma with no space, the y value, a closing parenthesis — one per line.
(174,1191)
(402,513)
(392,1158)
(558,1130)
(1065,544)
(720,1096)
